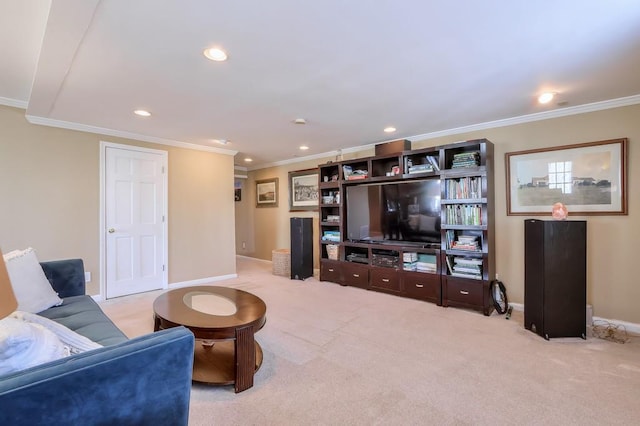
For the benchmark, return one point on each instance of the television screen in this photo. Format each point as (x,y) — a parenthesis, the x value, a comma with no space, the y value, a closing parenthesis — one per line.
(396,211)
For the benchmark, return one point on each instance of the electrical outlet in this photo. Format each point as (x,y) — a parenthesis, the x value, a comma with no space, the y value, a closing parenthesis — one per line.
(244,245)
(87,277)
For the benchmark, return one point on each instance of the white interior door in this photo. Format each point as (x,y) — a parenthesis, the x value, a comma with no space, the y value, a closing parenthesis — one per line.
(134,197)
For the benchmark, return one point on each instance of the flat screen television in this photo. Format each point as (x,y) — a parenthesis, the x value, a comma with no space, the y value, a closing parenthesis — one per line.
(403,212)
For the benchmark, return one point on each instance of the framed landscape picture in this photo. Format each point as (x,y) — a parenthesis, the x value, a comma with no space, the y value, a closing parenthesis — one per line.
(303,190)
(588,178)
(267,193)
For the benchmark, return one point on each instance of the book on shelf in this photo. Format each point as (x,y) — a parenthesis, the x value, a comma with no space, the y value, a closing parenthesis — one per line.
(420,168)
(464,214)
(463,188)
(331,236)
(466,275)
(409,256)
(433,161)
(467,261)
(449,267)
(426,267)
(470,269)
(409,266)
(357,177)
(465,159)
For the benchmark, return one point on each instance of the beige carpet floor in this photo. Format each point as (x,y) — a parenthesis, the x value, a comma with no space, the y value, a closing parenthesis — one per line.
(344,356)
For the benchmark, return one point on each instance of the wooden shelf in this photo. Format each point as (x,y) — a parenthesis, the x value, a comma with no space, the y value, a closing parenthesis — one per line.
(439,287)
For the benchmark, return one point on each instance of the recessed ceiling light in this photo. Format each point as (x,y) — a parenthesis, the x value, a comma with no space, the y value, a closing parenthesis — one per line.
(221,141)
(215,54)
(546,97)
(142,113)
(303,147)
(248,160)
(389,129)
(300,121)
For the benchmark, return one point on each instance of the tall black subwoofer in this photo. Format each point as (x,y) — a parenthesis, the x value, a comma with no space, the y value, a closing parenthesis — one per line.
(301,248)
(555,277)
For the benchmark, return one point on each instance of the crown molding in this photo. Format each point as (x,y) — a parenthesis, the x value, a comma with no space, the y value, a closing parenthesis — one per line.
(127,135)
(13,103)
(538,116)
(546,115)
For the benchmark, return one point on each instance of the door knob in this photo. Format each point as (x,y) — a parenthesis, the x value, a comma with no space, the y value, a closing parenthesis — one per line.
(111,230)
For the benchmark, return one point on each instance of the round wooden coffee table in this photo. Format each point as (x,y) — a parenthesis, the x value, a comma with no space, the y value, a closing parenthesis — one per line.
(223,321)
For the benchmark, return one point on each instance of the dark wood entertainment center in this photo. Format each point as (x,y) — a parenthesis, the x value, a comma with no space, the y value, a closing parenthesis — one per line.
(456,268)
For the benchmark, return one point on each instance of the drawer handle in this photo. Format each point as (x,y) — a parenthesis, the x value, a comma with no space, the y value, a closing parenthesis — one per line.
(464,292)
(356,275)
(330,270)
(385,280)
(419,285)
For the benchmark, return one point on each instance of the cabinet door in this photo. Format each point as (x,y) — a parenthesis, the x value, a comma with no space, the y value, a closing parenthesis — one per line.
(423,286)
(355,275)
(465,292)
(331,271)
(385,279)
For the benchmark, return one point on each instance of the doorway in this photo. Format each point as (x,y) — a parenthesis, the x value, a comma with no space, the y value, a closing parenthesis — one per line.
(133,236)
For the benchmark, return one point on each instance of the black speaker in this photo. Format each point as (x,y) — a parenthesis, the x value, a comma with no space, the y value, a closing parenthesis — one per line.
(555,277)
(301,248)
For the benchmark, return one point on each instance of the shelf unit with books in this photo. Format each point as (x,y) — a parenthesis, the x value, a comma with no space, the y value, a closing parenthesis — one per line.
(468,225)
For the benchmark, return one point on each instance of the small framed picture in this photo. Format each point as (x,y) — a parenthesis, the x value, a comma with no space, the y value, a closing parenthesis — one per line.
(267,193)
(303,190)
(237,190)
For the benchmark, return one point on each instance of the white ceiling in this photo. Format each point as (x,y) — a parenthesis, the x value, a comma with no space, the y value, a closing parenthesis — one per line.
(350,68)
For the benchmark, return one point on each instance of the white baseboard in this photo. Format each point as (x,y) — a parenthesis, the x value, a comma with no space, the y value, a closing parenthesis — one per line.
(201,281)
(253,258)
(629,326)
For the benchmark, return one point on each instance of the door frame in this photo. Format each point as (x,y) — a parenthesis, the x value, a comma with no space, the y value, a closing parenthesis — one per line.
(165,211)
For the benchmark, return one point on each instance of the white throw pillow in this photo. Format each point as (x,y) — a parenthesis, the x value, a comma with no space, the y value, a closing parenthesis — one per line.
(24,345)
(73,342)
(31,287)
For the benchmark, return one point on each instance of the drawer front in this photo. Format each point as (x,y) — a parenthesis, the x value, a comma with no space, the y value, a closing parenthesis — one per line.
(423,286)
(355,275)
(385,279)
(331,271)
(464,291)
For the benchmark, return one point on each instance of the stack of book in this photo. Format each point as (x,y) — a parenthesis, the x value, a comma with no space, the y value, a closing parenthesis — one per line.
(426,263)
(465,242)
(331,236)
(419,168)
(333,218)
(465,267)
(409,261)
(466,159)
(351,174)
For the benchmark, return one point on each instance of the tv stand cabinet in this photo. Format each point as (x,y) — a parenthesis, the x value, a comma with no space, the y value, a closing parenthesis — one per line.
(457,270)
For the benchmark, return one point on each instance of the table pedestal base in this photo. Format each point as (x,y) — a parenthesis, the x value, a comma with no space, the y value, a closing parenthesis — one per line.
(216,365)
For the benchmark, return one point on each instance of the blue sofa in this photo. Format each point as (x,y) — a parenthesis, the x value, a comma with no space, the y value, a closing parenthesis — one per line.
(144,380)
